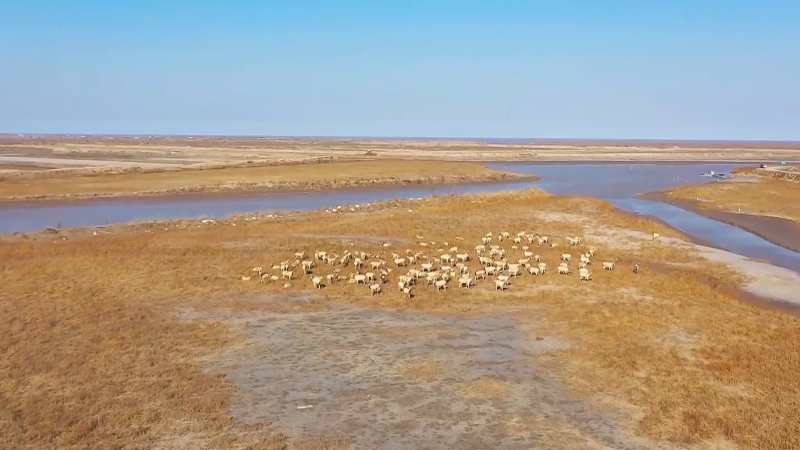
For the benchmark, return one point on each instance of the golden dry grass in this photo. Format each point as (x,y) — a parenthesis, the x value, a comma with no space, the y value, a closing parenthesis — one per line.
(768,197)
(428,370)
(95,356)
(488,387)
(297,176)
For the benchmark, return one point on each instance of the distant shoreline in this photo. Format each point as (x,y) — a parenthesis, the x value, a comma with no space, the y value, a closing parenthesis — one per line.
(657,143)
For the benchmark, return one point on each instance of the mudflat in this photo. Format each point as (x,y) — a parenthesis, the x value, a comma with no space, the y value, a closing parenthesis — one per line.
(161,334)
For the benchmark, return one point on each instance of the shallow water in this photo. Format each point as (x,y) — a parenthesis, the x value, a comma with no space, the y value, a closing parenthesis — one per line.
(608,181)
(727,237)
(32,217)
(617,183)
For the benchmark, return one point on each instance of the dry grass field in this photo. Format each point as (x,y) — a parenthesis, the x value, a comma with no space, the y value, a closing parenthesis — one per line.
(147,336)
(146,153)
(296,176)
(764,196)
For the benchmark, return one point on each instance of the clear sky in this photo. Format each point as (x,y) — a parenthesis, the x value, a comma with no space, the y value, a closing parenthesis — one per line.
(676,69)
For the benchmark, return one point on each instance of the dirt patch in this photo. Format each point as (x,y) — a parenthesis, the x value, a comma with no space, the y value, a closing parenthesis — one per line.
(386,379)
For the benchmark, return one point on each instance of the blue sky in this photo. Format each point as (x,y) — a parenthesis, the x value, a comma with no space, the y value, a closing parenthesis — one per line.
(573,69)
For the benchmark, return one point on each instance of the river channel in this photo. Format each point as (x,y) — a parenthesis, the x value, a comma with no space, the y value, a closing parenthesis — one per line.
(616,183)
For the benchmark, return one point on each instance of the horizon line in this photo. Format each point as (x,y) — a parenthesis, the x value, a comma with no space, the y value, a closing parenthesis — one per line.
(394,138)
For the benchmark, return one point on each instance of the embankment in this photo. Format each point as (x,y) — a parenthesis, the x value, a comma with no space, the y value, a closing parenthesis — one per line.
(782,232)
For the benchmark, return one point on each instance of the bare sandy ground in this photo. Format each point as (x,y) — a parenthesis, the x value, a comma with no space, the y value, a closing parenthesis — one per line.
(149,152)
(764,280)
(403,380)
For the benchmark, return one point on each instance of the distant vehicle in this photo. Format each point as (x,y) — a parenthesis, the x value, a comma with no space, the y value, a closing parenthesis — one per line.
(720,175)
(763,166)
(710,173)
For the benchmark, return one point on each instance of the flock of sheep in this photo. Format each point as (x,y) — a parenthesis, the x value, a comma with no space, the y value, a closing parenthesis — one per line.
(432,271)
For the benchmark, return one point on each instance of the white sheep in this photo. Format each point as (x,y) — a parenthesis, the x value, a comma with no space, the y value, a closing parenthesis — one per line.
(400,262)
(360,279)
(464,282)
(485,261)
(542,267)
(462,257)
(244,278)
(517,240)
(307,265)
(464,270)
(486,240)
(500,285)
(331,278)
(452,249)
(259,270)
(441,285)
(533,270)
(317,282)
(607,265)
(480,274)
(407,291)
(370,276)
(426,267)
(375,289)
(445,258)
(480,249)
(656,236)
(563,270)
(513,270)
(528,254)
(375,265)
(317,255)
(566,257)
(585,276)
(300,255)
(287,274)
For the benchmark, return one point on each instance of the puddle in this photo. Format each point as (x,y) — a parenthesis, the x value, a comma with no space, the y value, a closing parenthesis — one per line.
(398,380)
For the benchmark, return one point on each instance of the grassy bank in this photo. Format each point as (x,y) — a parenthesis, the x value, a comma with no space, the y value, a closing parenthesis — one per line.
(275,177)
(765,196)
(100,349)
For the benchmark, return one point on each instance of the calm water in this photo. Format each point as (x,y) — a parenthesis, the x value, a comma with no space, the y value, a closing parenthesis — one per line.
(617,183)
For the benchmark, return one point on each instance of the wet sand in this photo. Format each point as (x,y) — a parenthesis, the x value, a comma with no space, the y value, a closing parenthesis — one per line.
(781,232)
